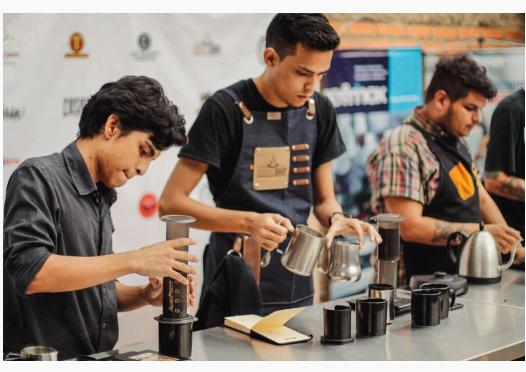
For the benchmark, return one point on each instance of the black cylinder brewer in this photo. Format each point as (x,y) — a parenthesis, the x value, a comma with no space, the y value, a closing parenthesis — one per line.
(337,325)
(389,248)
(175,324)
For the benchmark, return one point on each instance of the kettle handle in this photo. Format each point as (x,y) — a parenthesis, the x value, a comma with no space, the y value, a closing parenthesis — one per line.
(512,257)
(457,239)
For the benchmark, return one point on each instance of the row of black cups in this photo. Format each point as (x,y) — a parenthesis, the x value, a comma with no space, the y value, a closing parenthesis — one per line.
(372,316)
(429,304)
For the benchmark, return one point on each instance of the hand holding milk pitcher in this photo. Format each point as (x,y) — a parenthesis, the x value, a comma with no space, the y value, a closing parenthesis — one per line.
(340,260)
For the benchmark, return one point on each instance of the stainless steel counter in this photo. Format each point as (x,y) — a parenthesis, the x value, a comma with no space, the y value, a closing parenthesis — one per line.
(509,292)
(489,327)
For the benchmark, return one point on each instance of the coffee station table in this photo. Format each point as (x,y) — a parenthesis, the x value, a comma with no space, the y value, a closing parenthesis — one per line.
(490,326)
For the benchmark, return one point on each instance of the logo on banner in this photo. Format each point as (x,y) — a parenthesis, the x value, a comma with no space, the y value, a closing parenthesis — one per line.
(358,81)
(72,106)
(11,162)
(144,42)
(207,47)
(13,113)
(76,43)
(348,96)
(148,205)
(10,54)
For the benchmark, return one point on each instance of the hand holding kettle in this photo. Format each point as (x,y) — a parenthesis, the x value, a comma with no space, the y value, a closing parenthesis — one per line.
(504,235)
(480,260)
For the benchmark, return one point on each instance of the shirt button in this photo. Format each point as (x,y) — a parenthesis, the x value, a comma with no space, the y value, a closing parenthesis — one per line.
(104,325)
(105,290)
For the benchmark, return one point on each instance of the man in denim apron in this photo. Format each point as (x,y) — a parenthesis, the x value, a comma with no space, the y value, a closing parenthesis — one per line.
(266,145)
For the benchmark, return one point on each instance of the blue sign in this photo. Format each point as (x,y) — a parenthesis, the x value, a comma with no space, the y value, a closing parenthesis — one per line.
(375,80)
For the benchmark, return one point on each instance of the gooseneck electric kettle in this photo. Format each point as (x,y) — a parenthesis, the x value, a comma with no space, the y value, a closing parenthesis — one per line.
(480,260)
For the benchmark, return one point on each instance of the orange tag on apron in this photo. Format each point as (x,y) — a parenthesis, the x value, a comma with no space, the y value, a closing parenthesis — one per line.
(271,168)
(462,180)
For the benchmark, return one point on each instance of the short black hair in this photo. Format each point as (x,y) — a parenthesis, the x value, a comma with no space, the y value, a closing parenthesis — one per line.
(457,74)
(141,105)
(312,30)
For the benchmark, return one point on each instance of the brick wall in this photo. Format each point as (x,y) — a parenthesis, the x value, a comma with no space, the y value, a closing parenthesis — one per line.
(431,32)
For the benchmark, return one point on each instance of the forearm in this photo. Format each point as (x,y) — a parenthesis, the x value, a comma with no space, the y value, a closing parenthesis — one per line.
(499,183)
(324,209)
(68,273)
(130,297)
(207,217)
(491,213)
(432,231)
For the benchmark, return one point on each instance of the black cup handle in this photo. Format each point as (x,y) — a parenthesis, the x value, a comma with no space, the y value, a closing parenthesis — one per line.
(452,296)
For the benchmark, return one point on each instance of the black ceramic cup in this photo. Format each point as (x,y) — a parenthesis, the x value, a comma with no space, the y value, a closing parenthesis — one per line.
(371,317)
(385,291)
(448,296)
(337,325)
(425,307)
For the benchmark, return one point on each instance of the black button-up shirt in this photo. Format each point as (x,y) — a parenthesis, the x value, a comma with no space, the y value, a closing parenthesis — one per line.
(52,206)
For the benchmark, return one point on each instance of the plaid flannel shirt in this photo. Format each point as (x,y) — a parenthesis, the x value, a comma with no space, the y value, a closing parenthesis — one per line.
(403,165)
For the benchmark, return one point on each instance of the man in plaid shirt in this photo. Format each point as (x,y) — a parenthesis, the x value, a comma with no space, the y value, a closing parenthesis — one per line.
(424,171)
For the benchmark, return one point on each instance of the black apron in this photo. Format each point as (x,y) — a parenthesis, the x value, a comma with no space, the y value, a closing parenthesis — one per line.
(279,287)
(456,200)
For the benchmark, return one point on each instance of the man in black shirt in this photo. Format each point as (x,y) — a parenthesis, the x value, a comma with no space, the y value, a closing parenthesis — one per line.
(504,169)
(60,271)
(266,146)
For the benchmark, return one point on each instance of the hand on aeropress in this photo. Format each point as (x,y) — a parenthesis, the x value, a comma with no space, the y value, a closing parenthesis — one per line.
(165,259)
(153,292)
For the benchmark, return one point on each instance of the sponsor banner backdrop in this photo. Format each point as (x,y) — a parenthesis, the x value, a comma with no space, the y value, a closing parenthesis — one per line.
(405,79)
(357,81)
(372,91)
(54,62)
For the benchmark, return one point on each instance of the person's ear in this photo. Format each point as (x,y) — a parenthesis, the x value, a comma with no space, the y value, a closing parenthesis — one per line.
(442,100)
(111,127)
(270,57)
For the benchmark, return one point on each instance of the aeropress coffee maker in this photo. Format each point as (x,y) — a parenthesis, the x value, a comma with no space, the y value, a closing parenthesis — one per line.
(389,251)
(175,324)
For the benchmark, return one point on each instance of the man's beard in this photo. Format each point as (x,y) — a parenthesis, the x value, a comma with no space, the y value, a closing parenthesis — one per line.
(445,123)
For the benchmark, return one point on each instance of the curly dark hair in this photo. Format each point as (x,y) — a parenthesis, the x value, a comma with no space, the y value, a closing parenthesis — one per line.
(457,74)
(312,30)
(141,105)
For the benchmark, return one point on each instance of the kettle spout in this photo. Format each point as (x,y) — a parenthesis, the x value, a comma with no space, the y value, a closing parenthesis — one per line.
(512,257)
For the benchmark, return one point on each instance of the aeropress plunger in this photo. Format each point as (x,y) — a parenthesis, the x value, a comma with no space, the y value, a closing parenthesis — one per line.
(175,324)
(389,248)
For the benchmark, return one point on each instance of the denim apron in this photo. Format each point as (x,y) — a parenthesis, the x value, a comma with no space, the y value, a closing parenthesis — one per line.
(295,128)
